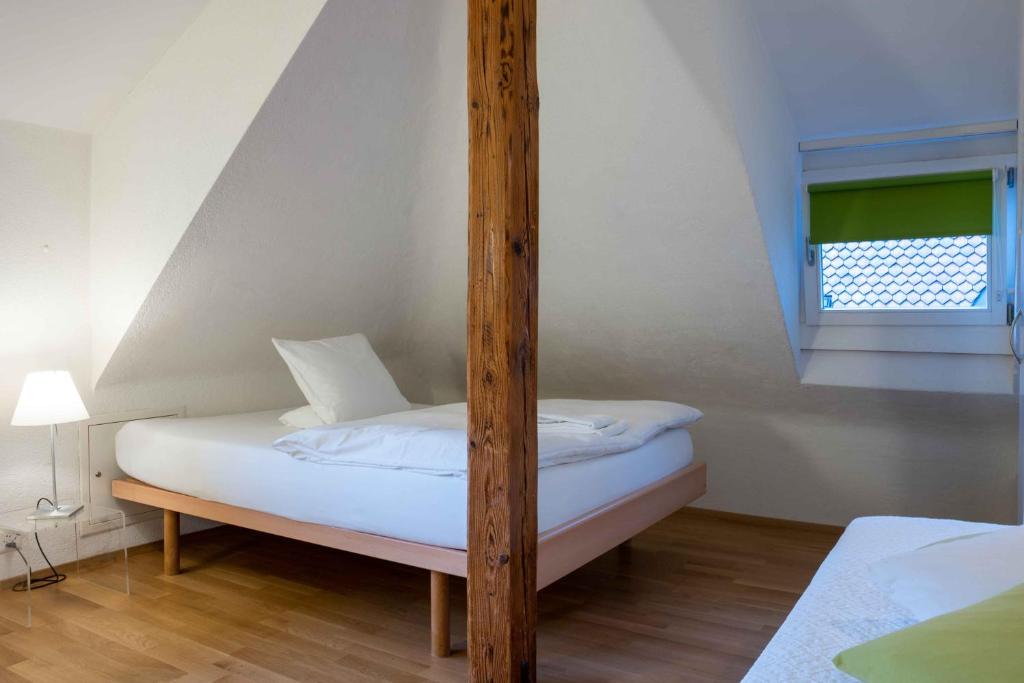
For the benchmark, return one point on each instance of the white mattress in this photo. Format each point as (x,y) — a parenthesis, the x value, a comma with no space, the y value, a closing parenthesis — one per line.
(842,607)
(229,459)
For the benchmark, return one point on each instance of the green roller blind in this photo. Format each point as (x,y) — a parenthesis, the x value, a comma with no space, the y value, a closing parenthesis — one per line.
(910,207)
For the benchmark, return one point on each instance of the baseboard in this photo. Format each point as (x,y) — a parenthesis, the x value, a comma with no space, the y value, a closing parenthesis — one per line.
(755,520)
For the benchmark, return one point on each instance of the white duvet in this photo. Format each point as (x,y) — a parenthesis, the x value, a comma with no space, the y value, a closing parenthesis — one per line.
(433,440)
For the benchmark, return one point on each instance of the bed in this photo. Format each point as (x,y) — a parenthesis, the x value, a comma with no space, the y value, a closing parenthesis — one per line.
(225,469)
(842,607)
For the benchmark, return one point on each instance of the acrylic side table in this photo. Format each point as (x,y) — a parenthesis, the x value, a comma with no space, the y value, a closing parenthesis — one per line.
(17,535)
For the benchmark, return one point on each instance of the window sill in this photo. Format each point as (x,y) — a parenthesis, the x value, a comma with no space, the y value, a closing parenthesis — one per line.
(987,340)
(969,373)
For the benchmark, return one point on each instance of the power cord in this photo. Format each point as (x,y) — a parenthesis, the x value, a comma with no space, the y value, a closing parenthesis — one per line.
(35,583)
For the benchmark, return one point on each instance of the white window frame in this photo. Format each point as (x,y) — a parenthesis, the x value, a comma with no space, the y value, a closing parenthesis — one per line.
(994,314)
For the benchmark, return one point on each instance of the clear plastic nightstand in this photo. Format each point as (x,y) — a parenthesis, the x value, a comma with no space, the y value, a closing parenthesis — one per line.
(103,530)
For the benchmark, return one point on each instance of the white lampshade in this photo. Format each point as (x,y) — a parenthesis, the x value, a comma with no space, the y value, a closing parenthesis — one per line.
(48,398)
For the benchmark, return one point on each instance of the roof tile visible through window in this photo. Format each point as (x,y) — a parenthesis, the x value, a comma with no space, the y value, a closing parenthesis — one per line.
(945,273)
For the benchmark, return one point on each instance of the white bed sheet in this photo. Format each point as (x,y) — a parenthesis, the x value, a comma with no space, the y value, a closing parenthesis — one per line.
(842,607)
(229,459)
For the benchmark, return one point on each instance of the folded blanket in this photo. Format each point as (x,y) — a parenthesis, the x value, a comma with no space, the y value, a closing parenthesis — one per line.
(613,428)
(588,421)
(433,440)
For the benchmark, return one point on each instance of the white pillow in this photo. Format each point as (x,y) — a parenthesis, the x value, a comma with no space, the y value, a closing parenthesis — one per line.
(952,574)
(301,418)
(342,378)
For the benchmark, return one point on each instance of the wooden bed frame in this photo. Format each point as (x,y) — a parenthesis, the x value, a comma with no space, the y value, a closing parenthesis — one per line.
(560,550)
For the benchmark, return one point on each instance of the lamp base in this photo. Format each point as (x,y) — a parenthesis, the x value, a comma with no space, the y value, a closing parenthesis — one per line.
(59,512)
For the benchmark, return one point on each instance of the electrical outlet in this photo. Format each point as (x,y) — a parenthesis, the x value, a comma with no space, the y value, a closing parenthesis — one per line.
(10,540)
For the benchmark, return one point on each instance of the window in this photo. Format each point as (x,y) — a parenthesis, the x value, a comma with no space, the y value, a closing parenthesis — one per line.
(908,244)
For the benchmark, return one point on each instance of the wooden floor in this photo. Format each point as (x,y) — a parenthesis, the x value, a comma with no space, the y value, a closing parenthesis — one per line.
(693,599)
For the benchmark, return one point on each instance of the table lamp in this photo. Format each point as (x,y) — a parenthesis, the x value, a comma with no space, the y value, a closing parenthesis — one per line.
(50,398)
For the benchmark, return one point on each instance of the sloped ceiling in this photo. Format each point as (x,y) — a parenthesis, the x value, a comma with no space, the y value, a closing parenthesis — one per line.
(155,161)
(343,208)
(307,231)
(67,64)
(868,66)
(654,276)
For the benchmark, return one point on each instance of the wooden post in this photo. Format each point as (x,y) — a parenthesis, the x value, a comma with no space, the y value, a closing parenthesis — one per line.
(172,538)
(502,340)
(440,615)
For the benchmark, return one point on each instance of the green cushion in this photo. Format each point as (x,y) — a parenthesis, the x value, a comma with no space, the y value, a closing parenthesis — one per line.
(980,643)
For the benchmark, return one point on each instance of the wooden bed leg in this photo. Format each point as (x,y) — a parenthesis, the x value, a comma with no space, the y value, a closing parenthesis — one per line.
(440,615)
(172,547)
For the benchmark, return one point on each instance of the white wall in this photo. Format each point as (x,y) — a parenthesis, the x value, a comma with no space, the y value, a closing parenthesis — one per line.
(156,159)
(871,66)
(662,210)
(343,208)
(308,231)
(767,137)
(44,284)
(70,64)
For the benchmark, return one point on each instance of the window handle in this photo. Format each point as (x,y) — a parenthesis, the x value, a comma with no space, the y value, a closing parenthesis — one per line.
(1013,336)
